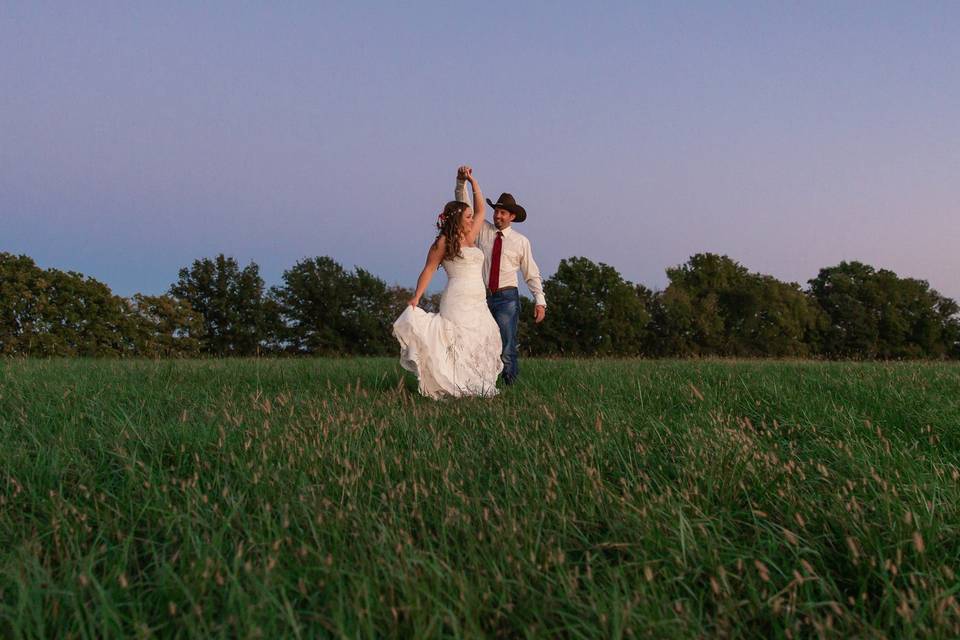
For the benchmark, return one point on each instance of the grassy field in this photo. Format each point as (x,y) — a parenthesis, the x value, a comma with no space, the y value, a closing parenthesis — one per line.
(305,498)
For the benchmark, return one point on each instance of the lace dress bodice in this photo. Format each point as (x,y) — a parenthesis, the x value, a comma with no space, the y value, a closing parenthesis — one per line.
(464,292)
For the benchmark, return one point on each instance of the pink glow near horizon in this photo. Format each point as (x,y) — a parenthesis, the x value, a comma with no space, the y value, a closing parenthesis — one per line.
(136,139)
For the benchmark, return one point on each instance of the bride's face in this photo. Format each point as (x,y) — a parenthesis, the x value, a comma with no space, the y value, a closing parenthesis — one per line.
(466,221)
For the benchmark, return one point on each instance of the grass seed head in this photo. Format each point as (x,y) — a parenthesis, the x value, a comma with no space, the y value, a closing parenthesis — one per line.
(762,570)
(715,585)
(918,542)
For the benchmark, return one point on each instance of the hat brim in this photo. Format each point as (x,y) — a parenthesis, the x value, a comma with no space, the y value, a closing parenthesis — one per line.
(520,214)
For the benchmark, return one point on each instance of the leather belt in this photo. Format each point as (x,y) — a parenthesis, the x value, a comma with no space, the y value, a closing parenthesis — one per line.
(490,293)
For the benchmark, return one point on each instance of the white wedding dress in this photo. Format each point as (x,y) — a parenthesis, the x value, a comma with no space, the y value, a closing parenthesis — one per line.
(456,352)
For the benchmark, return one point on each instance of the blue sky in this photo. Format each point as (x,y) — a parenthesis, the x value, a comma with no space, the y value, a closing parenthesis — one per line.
(136,137)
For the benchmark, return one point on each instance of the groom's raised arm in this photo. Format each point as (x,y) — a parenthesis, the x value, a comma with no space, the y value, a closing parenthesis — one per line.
(460,193)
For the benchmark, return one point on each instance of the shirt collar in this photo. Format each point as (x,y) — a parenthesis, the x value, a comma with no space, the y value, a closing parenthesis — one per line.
(506,231)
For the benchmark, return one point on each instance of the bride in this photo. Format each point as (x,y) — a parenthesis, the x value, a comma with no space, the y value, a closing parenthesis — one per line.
(456,352)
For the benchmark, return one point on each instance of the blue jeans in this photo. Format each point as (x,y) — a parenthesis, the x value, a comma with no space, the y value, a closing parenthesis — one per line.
(505,307)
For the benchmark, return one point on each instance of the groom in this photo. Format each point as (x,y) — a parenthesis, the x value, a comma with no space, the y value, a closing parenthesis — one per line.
(504,252)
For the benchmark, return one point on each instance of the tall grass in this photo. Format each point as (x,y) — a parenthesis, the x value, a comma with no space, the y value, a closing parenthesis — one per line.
(297,498)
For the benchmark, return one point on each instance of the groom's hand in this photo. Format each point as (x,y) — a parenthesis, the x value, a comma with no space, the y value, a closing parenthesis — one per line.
(463,171)
(539,313)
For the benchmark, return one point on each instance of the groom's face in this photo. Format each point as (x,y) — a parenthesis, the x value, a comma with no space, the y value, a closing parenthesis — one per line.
(502,218)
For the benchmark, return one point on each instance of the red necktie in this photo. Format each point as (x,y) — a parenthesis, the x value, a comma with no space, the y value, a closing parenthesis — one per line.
(495,263)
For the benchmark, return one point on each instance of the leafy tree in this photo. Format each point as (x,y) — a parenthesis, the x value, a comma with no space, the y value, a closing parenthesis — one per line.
(56,313)
(849,296)
(592,311)
(311,301)
(22,304)
(231,301)
(273,328)
(88,319)
(400,295)
(701,301)
(876,314)
(369,316)
(398,298)
(328,310)
(715,306)
(169,327)
(779,319)
(531,338)
(949,317)
(712,306)
(677,327)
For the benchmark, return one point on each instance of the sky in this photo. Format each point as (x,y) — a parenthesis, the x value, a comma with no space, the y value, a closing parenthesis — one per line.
(137,137)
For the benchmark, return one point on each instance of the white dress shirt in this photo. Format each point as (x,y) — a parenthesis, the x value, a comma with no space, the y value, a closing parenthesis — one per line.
(515,254)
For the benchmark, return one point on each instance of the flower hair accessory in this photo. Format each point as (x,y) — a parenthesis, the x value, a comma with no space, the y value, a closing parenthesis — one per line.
(447,212)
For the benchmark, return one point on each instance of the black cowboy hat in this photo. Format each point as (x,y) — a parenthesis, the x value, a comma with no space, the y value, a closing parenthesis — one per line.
(506,201)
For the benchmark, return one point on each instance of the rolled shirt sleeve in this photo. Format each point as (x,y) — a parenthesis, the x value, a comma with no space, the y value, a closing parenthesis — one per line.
(460,193)
(531,274)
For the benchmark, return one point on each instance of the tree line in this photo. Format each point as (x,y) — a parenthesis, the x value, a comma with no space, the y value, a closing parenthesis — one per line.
(711,306)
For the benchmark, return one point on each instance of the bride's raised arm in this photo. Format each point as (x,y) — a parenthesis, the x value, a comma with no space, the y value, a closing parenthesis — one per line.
(479,207)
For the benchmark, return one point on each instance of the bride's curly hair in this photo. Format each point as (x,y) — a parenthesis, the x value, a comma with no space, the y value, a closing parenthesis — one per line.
(449,225)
